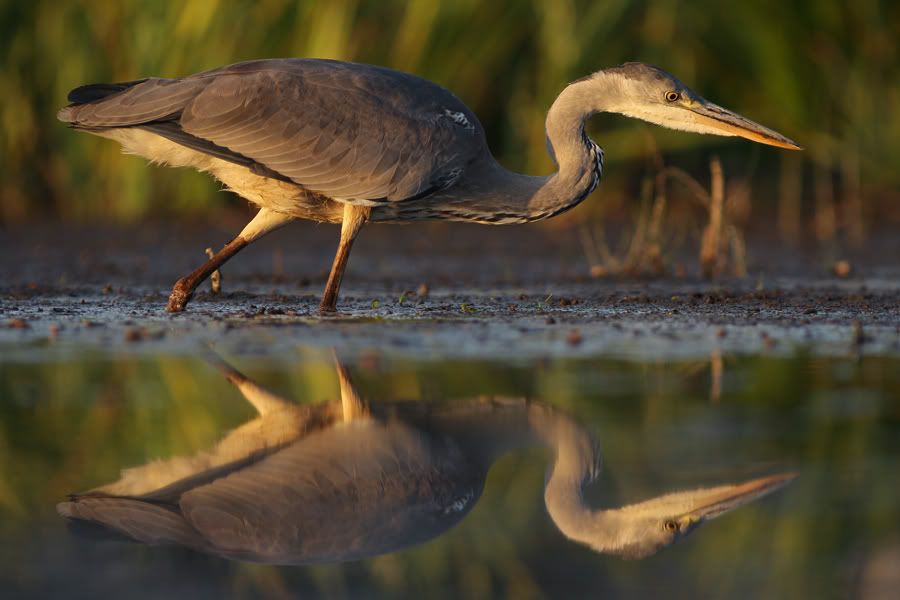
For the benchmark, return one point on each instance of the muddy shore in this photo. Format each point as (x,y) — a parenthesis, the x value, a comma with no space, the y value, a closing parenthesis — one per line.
(427,291)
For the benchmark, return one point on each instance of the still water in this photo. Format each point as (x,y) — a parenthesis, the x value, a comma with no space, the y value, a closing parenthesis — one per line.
(372,476)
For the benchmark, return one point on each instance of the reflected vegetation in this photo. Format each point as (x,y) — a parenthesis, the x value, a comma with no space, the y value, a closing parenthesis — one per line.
(349,479)
(75,424)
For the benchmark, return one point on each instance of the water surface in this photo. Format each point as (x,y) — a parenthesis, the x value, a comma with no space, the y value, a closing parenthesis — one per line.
(76,424)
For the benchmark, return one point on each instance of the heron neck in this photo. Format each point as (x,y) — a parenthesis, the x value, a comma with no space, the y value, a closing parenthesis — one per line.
(492,194)
(578,158)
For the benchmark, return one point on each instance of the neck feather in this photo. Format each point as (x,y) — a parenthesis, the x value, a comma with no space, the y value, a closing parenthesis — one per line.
(601,530)
(579,159)
(577,463)
(489,193)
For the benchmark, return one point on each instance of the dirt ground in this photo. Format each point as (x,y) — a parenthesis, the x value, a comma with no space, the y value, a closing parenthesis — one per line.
(435,290)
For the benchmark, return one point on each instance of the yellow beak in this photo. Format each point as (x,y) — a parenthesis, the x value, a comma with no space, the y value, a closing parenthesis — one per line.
(730,123)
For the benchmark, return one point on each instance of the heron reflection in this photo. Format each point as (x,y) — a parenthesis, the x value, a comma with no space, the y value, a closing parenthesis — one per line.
(349,479)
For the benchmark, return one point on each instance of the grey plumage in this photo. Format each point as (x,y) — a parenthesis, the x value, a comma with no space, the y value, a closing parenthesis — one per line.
(350,132)
(350,143)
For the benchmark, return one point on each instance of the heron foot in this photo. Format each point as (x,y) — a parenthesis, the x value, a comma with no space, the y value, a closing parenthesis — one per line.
(181,294)
(328,310)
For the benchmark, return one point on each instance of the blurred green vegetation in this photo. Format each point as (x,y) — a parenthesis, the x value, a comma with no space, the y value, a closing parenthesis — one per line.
(72,425)
(823,73)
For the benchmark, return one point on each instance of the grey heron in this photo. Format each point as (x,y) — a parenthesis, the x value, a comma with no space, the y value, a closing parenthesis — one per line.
(350,143)
(347,480)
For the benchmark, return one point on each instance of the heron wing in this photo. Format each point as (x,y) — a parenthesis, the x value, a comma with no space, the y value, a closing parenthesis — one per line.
(356,133)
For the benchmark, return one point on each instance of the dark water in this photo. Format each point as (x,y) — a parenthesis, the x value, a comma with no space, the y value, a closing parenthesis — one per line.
(74,425)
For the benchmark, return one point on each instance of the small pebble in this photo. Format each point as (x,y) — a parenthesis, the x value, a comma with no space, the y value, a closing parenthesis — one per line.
(598,271)
(18,324)
(842,269)
(574,338)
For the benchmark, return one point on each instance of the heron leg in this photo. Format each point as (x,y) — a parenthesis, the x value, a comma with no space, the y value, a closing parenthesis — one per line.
(265,221)
(354,218)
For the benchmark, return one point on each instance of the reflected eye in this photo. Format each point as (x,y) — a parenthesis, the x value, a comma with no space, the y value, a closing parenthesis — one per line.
(672,96)
(670,526)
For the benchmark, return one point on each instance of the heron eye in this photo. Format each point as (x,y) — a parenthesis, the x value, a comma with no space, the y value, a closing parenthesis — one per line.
(671,526)
(672,96)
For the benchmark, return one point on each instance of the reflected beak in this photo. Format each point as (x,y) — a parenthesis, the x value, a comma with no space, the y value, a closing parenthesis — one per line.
(716,501)
(729,123)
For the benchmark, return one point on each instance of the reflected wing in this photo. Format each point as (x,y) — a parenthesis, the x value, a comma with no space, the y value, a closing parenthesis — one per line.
(341,494)
(355,133)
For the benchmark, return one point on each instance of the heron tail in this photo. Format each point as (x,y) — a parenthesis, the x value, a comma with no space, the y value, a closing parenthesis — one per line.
(92,92)
(98,91)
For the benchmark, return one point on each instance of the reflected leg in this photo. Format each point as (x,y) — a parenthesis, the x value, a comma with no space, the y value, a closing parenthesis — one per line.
(352,405)
(262,399)
(264,222)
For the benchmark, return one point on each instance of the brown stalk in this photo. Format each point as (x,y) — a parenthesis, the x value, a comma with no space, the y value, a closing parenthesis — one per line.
(710,247)
(215,279)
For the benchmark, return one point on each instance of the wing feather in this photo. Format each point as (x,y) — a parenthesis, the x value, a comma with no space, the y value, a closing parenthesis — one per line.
(355,133)
(139,520)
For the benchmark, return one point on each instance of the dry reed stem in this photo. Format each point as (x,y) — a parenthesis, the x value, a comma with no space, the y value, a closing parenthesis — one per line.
(215,280)
(717,370)
(697,190)
(738,251)
(722,241)
(634,256)
(710,247)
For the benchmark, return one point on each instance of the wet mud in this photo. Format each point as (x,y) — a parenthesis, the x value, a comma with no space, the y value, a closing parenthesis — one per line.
(426,291)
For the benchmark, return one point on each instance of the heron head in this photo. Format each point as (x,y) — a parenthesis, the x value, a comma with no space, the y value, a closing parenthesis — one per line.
(648,93)
(648,527)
